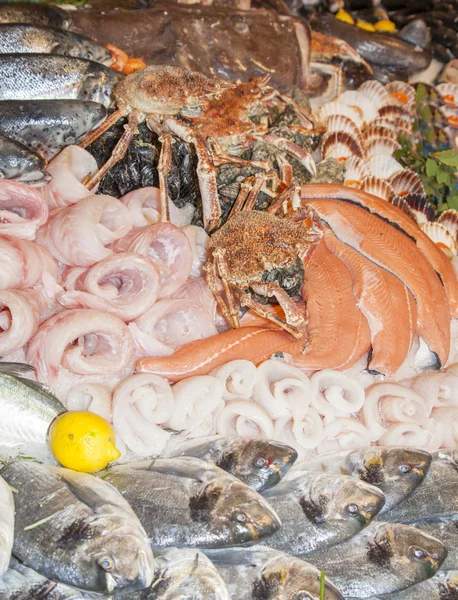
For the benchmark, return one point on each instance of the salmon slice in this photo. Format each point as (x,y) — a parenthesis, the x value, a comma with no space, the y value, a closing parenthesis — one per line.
(427,247)
(339,334)
(391,249)
(386,303)
(201,356)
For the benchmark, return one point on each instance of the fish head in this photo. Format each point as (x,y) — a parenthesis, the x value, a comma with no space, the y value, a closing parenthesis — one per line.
(98,84)
(285,577)
(396,471)
(412,554)
(234,512)
(186,574)
(260,464)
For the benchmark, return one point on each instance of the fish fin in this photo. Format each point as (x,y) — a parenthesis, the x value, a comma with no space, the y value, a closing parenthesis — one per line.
(253,556)
(16,369)
(41,388)
(183,466)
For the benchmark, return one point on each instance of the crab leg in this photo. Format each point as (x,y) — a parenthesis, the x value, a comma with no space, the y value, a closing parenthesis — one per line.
(290,194)
(165,163)
(304,157)
(130,129)
(211,279)
(218,255)
(94,134)
(221,157)
(245,187)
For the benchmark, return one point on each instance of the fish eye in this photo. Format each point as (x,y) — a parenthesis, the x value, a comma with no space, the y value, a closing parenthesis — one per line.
(302,596)
(106,563)
(261,462)
(353,509)
(419,553)
(240,517)
(404,469)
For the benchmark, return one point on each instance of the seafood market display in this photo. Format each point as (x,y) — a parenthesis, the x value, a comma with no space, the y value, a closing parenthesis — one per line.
(229,300)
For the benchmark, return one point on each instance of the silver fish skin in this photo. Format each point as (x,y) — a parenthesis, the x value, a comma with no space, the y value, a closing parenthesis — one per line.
(22,583)
(21,163)
(396,471)
(48,126)
(260,464)
(321,510)
(259,573)
(6,525)
(27,408)
(437,496)
(35,14)
(52,77)
(183,574)
(382,559)
(187,502)
(444,529)
(16,38)
(76,529)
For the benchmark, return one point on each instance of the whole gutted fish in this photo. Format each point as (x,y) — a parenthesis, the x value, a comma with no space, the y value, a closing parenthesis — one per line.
(382,559)
(260,464)
(26,409)
(396,471)
(437,496)
(263,574)
(181,574)
(319,510)
(22,583)
(76,529)
(36,14)
(6,525)
(23,38)
(47,76)
(47,126)
(19,162)
(186,502)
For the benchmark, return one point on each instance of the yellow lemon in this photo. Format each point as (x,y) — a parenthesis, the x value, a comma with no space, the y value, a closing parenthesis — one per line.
(385,25)
(364,25)
(82,441)
(342,15)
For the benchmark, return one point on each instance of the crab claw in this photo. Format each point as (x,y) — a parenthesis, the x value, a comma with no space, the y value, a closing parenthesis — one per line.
(299,153)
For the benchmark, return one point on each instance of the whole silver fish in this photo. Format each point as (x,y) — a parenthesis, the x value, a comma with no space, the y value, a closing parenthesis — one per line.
(382,559)
(183,573)
(321,510)
(77,529)
(443,586)
(260,464)
(51,77)
(21,163)
(23,38)
(35,14)
(22,583)
(396,471)
(6,525)
(263,574)
(437,496)
(47,126)
(444,529)
(27,408)
(187,502)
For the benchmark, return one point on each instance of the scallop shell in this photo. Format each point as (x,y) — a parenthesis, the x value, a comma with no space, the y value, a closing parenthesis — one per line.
(377,131)
(382,146)
(338,108)
(407,182)
(337,123)
(449,219)
(360,102)
(384,167)
(375,91)
(377,187)
(421,207)
(448,93)
(451,115)
(404,206)
(401,92)
(341,145)
(393,112)
(442,237)
(404,127)
(356,169)
(384,122)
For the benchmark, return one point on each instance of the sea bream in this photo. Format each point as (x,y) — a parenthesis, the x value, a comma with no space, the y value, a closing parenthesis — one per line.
(395,471)
(319,510)
(263,574)
(444,529)
(382,559)
(261,464)
(48,126)
(48,77)
(77,529)
(21,163)
(16,38)
(36,14)
(187,502)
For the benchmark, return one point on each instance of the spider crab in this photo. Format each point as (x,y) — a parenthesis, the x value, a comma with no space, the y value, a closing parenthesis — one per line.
(218,118)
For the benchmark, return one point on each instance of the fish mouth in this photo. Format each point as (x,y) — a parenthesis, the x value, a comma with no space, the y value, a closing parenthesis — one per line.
(35,178)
